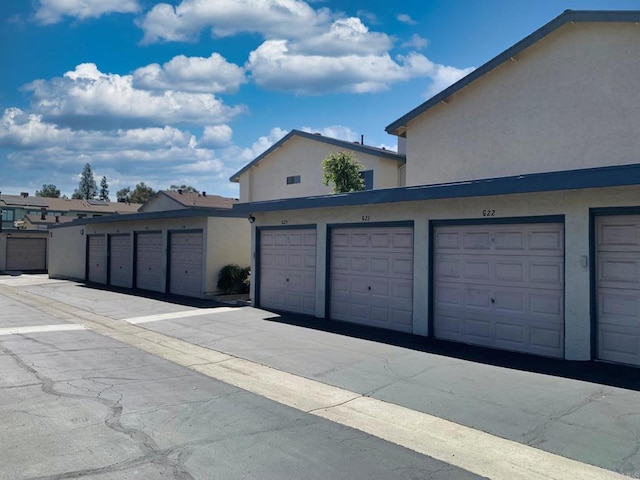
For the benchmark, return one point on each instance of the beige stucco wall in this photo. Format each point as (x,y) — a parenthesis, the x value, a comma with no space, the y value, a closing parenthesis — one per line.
(574,205)
(227,241)
(67,252)
(301,156)
(236,247)
(569,101)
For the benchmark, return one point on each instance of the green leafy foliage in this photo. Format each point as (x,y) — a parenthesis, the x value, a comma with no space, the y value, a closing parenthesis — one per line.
(234,279)
(49,190)
(342,171)
(87,187)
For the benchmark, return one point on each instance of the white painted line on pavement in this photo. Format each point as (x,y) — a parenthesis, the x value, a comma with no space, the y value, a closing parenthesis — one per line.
(458,445)
(65,327)
(173,315)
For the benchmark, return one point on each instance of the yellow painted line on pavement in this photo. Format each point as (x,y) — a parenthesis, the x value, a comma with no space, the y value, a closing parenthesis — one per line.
(458,445)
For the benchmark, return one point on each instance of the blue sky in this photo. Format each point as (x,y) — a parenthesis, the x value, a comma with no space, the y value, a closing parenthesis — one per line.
(189,91)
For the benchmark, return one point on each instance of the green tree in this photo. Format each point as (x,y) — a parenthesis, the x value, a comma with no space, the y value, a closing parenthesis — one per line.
(124,195)
(87,187)
(104,190)
(184,188)
(141,193)
(342,171)
(49,190)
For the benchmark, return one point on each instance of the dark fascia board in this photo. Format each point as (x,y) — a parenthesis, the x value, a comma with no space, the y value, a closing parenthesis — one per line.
(611,176)
(568,16)
(319,138)
(166,214)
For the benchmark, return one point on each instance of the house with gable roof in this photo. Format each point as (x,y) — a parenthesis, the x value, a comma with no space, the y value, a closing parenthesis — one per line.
(519,225)
(292,167)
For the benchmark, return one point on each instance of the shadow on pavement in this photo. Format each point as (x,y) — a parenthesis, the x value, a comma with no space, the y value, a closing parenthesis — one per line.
(615,375)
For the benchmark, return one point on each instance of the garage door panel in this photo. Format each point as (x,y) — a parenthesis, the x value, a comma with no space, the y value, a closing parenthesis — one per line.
(26,254)
(619,233)
(372,276)
(619,270)
(287,270)
(149,261)
(186,263)
(618,288)
(501,286)
(97,258)
(618,307)
(120,261)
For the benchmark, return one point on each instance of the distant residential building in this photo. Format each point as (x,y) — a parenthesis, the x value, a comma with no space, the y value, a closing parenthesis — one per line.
(28,212)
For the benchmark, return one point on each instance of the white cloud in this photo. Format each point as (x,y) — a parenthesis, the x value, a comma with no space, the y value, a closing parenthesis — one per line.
(335,131)
(345,36)
(270,18)
(191,74)
(274,66)
(216,135)
(416,41)
(444,76)
(404,18)
(236,157)
(88,98)
(157,156)
(52,11)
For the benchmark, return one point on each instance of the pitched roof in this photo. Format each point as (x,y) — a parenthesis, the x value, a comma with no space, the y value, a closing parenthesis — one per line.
(355,146)
(35,219)
(191,199)
(568,16)
(68,205)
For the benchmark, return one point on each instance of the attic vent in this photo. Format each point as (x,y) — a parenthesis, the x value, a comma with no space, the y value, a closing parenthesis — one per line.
(204,194)
(179,191)
(24,194)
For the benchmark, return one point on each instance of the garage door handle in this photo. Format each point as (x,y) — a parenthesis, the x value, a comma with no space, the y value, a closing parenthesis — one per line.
(493,300)
(287,279)
(369,288)
(186,271)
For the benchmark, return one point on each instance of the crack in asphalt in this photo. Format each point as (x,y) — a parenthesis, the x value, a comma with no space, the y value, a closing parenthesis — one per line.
(151,451)
(537,435)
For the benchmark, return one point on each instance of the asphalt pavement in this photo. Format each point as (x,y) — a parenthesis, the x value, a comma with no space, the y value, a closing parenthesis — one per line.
(96,383)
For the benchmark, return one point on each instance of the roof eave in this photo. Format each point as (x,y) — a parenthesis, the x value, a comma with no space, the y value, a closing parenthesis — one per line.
(398,127)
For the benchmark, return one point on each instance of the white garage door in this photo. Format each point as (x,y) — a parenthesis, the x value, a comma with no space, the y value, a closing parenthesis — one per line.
(501,286)
(97,259)
(149,260)
(372,276)
(288,270)
(186,260)
(618,288)
(26,254)
(120,260)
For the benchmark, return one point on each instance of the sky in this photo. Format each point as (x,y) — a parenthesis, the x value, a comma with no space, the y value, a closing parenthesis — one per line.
(187,92)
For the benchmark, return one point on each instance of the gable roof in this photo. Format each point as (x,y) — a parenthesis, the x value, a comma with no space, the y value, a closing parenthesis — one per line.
(195,200)
(355,146)
(67,204)
(568,16)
